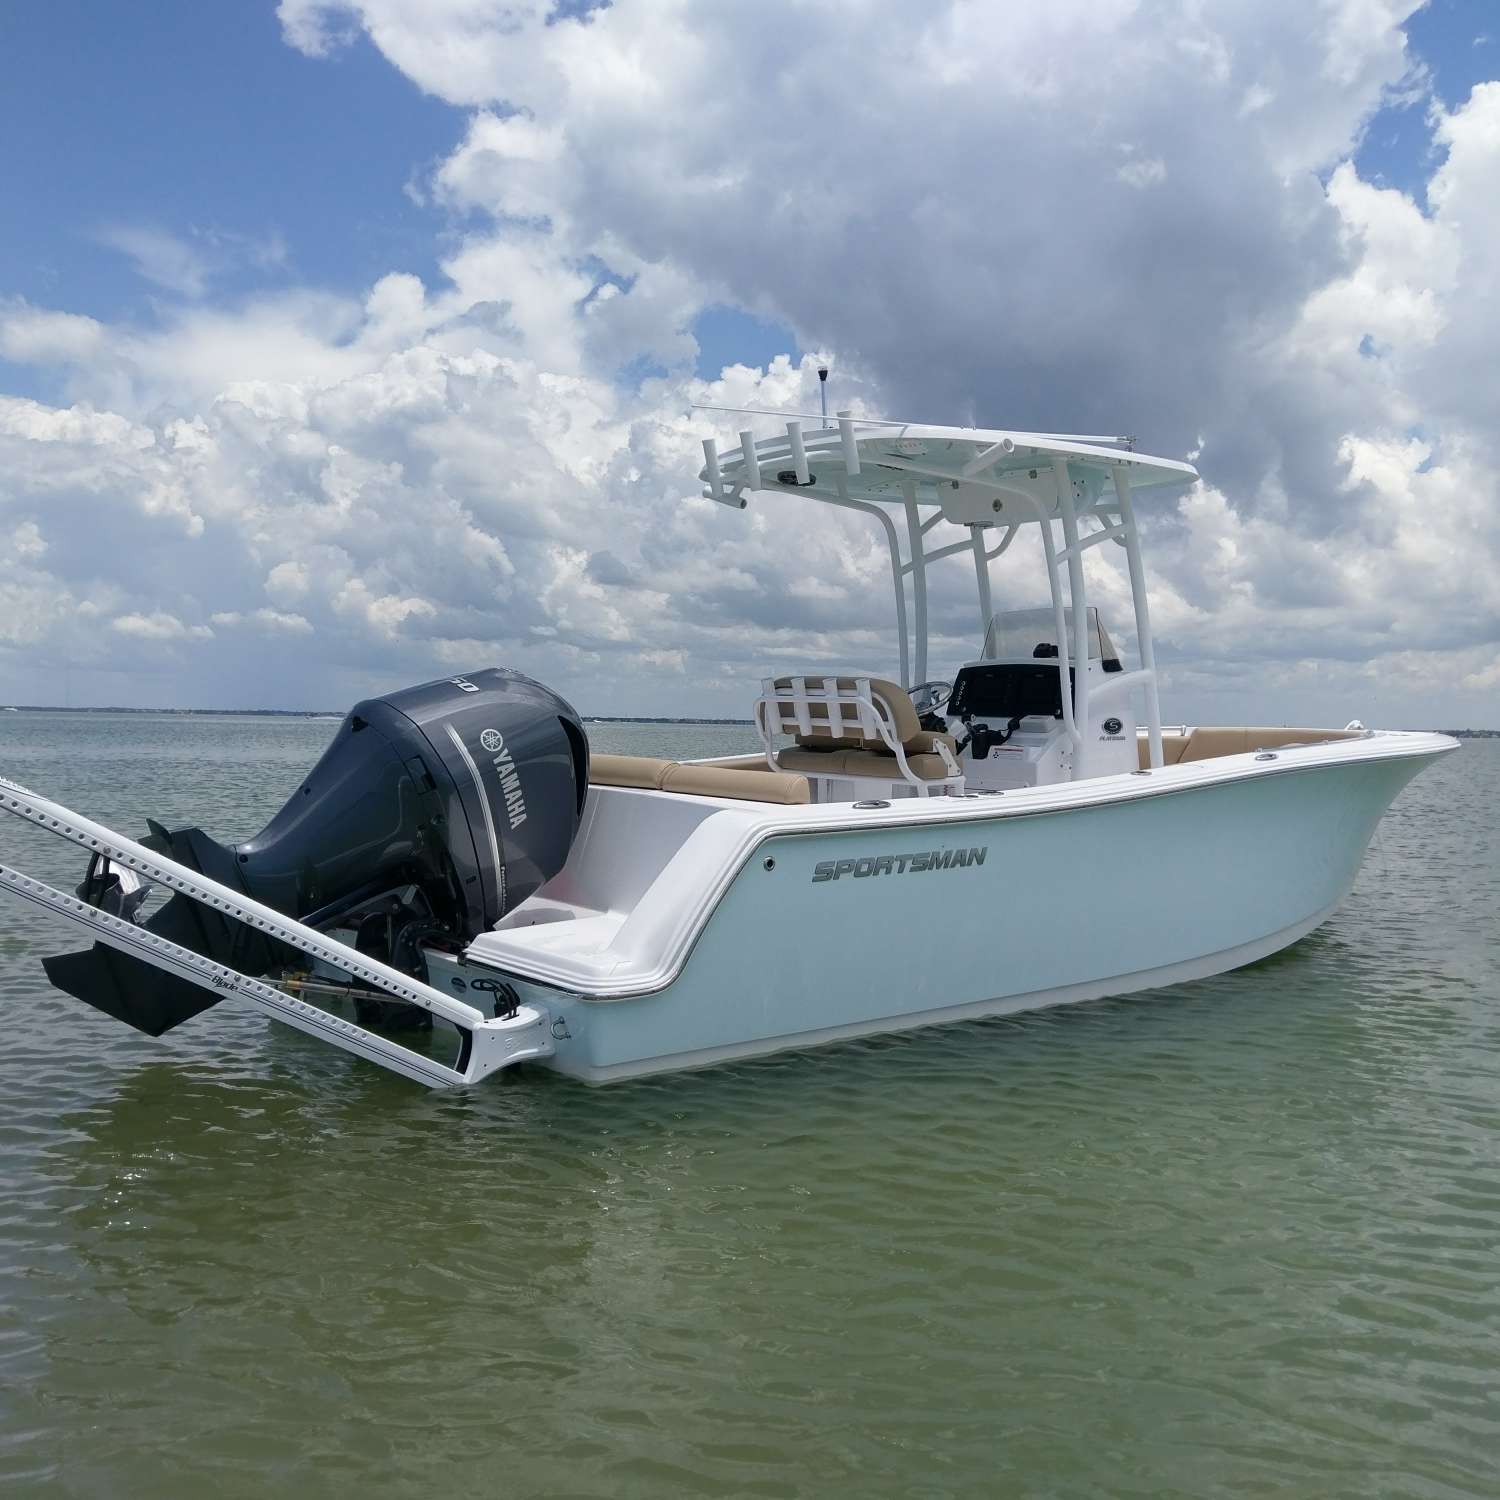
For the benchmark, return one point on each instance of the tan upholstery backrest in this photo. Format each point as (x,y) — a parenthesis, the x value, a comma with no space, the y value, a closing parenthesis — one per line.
(628,770)
(743,784)
(848,734)
(1172,746)
(1211,742)
(898,700)
(1271,739)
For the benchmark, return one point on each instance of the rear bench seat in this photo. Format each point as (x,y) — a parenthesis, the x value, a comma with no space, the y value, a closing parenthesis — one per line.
(699,780)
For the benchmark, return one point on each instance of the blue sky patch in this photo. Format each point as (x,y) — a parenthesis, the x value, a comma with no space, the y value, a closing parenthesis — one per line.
(1458,43)
(278,169)
(731,336)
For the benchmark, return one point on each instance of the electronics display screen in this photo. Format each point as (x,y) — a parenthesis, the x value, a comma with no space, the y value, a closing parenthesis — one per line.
(1006,690)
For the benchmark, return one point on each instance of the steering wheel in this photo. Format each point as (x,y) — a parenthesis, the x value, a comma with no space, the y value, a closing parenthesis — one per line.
(929,697)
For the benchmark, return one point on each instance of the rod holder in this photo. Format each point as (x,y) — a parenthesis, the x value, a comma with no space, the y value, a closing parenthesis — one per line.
(711,468)
(752,463)
(846,439)
(799,453)
(988,456)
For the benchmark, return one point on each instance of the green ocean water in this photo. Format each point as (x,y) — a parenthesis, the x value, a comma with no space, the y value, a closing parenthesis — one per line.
(1235,1238)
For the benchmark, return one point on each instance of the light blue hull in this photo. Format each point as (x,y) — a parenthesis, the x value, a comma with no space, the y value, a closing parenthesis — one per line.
(1062,905)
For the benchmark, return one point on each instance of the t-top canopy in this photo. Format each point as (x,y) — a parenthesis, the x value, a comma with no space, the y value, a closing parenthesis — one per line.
(982,481)
(979,476)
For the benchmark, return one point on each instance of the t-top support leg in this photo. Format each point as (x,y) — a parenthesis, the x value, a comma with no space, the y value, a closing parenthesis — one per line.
(1078,602)
(918,581)
(1145,646)
(982,576)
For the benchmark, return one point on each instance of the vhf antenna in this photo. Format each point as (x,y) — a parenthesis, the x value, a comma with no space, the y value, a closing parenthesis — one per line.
(823,390)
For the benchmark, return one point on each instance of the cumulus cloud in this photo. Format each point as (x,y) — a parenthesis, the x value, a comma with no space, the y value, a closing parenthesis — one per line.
(270,621)
(37,336)
(159,626)
(1103,217)
(1035,277)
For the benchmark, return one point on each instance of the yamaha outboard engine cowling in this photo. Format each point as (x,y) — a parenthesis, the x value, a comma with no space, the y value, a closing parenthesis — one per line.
(434,812)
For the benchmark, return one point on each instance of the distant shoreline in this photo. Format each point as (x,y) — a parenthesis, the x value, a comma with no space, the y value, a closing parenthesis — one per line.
(235,713)
(651,719)
(316,713)
(328,713)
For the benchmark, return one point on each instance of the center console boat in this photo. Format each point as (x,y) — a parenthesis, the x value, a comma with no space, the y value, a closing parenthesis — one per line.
(459,855)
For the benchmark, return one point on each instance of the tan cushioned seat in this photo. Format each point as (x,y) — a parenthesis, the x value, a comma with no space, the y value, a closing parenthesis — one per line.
(925,742)
(861,763)
(1172,746)
(628,770)
(872,763)
(743,785)
(827,762)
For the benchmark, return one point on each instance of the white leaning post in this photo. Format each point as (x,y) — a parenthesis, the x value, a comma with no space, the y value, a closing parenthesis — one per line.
(785,707)
(490,1044)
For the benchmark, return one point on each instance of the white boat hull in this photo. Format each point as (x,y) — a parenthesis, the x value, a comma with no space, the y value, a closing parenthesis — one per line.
(1138,886)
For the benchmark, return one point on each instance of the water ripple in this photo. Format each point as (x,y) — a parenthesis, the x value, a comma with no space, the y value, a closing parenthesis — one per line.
(1235,1238)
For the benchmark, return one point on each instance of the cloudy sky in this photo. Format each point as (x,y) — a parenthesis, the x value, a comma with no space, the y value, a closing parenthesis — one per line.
(346,343)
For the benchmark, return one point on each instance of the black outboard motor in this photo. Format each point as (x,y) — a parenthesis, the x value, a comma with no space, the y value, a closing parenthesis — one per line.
(434,812)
